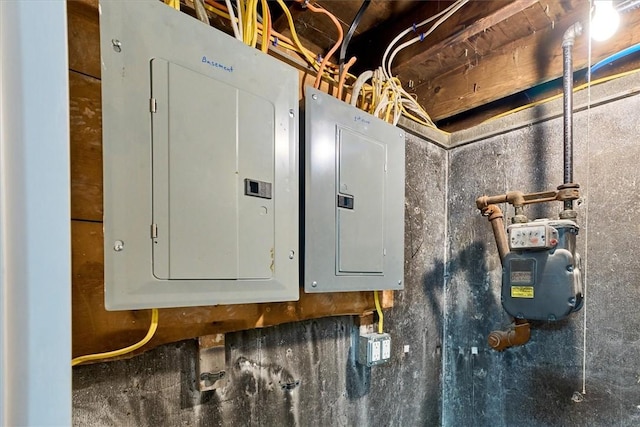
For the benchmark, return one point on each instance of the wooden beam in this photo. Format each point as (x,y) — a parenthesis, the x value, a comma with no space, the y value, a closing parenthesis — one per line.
(369,46)
(486,112)
(479,26)
(518,66)
(84,37)
(85,113)
(482,25)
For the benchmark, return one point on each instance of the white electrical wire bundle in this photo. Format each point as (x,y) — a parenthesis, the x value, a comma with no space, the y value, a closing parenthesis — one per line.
(388,99)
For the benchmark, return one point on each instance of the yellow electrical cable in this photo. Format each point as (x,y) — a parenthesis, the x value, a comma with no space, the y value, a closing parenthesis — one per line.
(294,34)
(387,116)
(243,12)
(254,24)
(283,41)
(248,22)
(252,21)
(374,95)
(173,3)
(422,122)
(554,97)
(114,353)
(245,19)
(379,310)
(266,35)
(217,11)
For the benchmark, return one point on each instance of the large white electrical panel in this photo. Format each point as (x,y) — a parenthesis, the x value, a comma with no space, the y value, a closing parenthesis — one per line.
(354,198)
(200,163)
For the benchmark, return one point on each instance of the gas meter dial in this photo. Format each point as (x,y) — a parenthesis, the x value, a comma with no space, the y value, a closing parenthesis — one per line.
(532,236)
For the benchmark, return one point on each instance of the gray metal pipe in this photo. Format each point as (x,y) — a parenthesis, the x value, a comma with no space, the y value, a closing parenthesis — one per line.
(567,95)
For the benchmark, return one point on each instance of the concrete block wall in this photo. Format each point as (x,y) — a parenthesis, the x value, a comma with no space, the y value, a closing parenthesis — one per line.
(541,383)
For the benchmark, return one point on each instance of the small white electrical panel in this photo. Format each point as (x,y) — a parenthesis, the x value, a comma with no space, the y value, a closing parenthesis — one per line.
(374,349)
(354,198)
(200,137)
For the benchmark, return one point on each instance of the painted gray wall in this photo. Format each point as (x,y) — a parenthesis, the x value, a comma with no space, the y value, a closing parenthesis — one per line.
(159,387)
(535,385)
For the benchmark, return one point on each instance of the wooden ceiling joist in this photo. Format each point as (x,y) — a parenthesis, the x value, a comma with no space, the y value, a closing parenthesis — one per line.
(523,64)
(466,33)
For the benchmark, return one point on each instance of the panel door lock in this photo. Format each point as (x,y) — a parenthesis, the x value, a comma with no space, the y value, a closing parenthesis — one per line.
(345,202)
(256,188)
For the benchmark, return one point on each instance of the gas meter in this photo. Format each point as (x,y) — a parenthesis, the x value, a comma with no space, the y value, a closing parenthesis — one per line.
(541,277)
(540,267)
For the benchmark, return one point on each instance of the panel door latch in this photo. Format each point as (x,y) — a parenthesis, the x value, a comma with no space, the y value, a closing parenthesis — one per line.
(345,201)
(257,188)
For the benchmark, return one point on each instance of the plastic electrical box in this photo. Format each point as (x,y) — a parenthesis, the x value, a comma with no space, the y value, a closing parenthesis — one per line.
(374,349)
(354,198)
(200,163)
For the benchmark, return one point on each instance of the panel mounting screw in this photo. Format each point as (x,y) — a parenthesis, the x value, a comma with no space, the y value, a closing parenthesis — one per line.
(399,282)
(291,114)
(291,254)
(118,245)
(314,284)
(117,45)
(314,96)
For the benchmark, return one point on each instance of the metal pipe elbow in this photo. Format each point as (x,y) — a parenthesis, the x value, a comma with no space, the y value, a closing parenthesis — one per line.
(492,212)
(482,202)
(515,198)
(571,33)
(517,334)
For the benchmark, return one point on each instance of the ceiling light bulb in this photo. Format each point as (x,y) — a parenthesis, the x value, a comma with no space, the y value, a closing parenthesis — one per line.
(605,20)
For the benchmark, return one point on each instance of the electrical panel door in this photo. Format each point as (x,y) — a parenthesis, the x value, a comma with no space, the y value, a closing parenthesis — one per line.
(360,222)
(200,163)
(206,226)
(354,198)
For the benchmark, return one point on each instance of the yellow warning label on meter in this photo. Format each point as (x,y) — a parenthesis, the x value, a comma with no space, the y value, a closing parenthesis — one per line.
(522,292)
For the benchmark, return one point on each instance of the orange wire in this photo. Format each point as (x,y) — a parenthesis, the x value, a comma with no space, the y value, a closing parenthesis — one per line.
(335,47)
(217,5)
(343,76)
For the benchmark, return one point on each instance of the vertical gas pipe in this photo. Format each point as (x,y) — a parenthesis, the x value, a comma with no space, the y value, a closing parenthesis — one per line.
(567,95)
